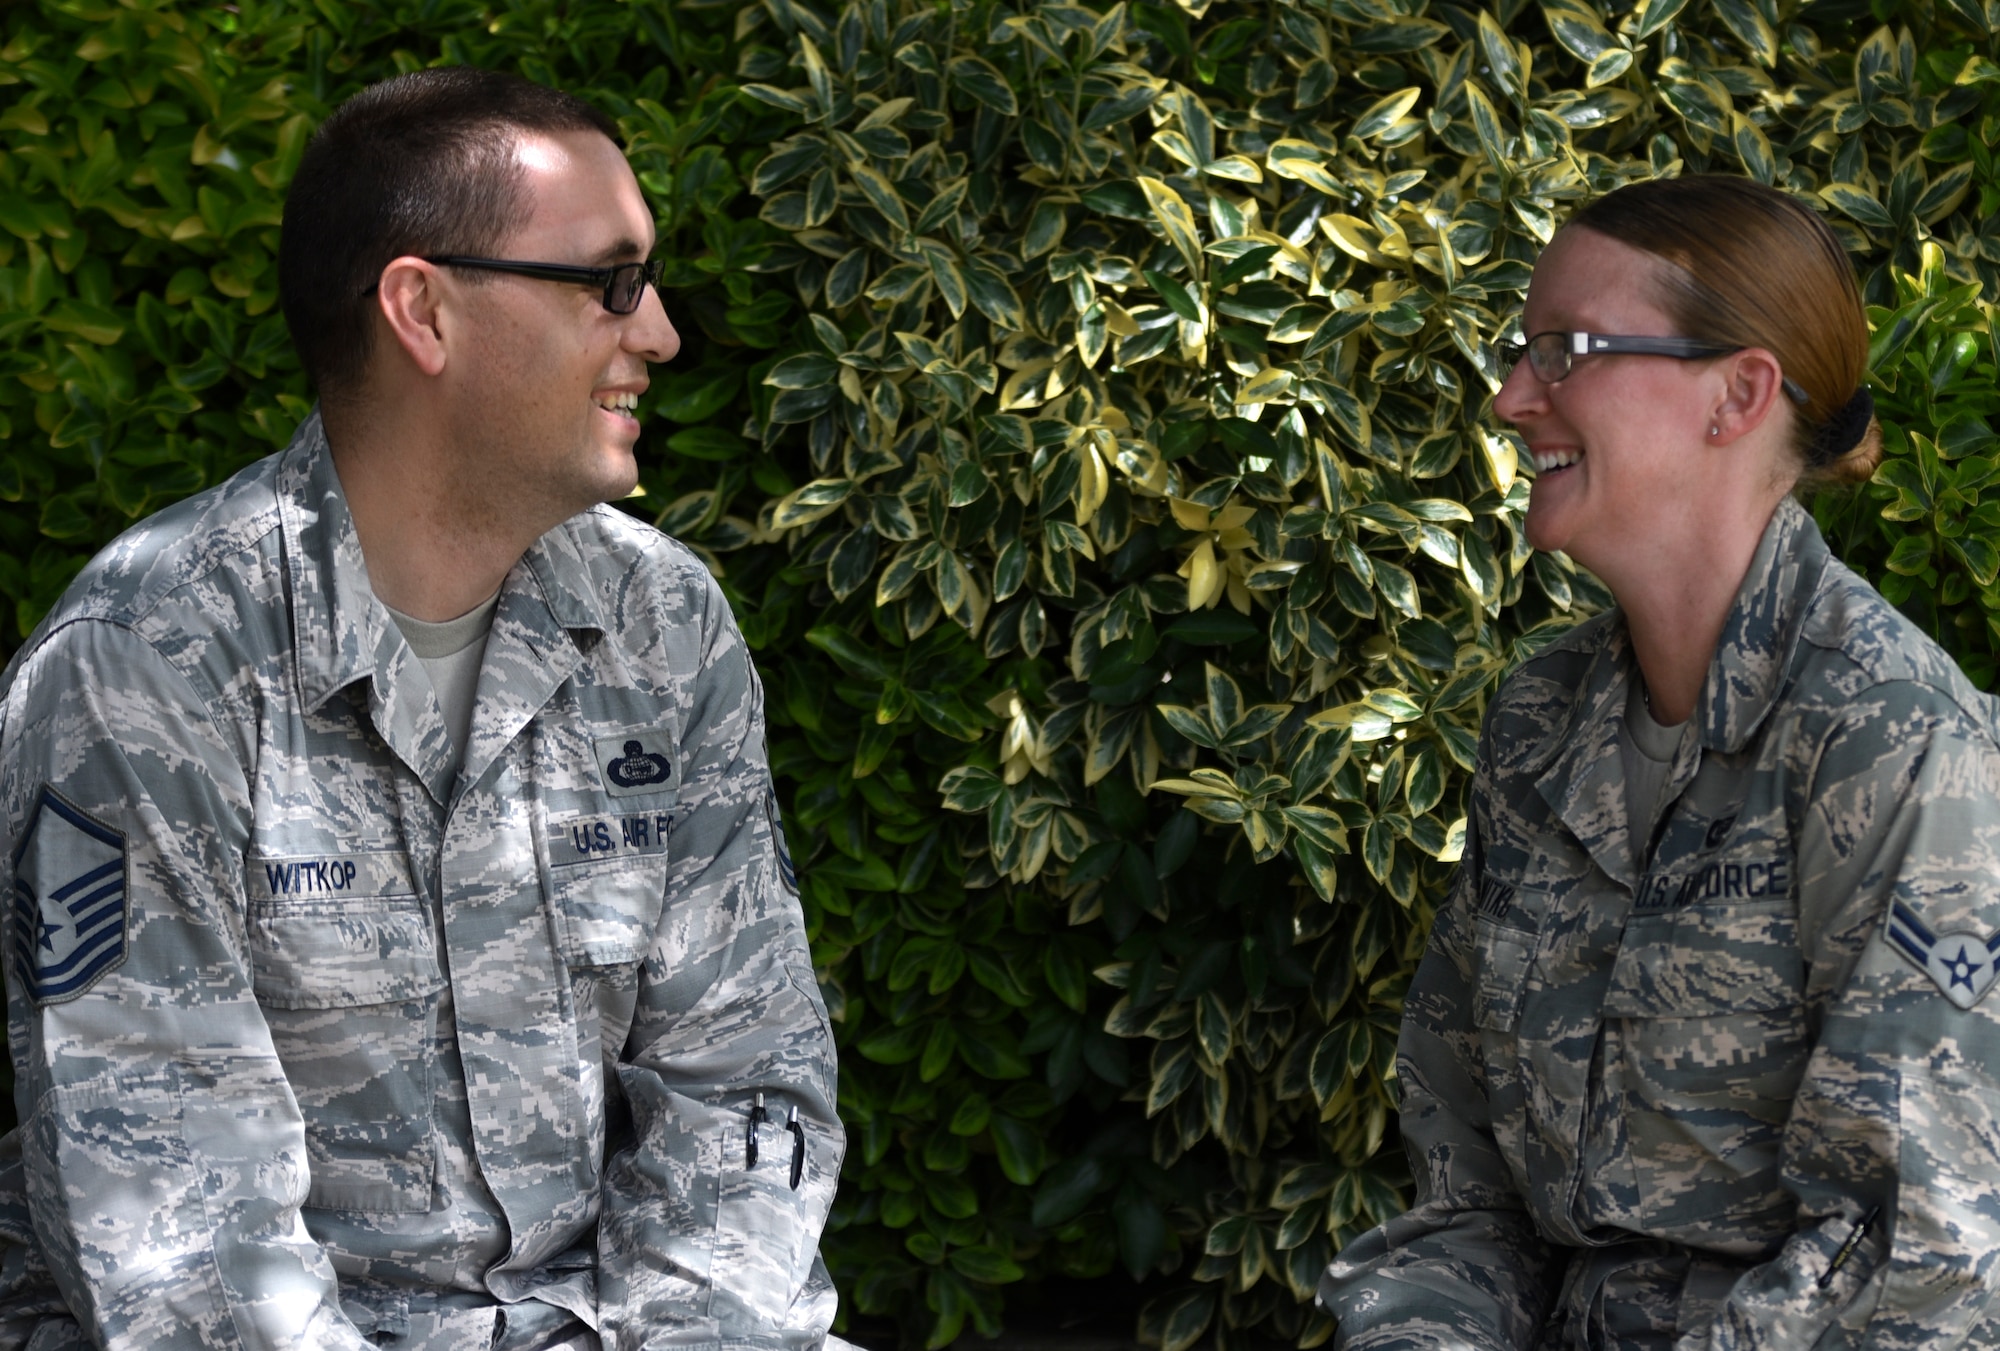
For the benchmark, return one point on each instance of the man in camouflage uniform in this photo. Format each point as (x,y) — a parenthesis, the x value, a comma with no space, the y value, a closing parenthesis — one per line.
(1746,1095)
(336,1026)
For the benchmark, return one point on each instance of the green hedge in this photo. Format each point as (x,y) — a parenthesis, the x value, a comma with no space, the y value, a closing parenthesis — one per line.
(1087,410)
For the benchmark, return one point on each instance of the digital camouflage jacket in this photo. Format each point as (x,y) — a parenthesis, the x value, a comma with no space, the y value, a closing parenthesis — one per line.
(321,1044)
(1748,1096)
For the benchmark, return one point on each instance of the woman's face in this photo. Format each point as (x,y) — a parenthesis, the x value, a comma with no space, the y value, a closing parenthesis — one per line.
(1617,443)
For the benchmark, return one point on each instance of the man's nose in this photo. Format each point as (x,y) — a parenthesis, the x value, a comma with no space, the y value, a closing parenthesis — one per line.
(650,334)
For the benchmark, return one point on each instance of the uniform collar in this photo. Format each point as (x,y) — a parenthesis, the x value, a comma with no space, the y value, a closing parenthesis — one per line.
(340,632)
(1762,632)
(343,634)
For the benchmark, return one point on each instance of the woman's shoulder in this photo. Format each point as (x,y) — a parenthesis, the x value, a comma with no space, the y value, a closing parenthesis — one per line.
(1858,650)
(1535,701)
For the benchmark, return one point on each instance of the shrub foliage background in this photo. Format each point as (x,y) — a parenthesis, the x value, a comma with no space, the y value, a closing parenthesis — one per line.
(1087,410)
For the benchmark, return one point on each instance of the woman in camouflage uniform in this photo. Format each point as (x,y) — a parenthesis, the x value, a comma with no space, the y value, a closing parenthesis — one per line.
(1701,1054)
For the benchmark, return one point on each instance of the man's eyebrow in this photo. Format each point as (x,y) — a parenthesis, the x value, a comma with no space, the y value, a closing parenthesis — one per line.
(625,250)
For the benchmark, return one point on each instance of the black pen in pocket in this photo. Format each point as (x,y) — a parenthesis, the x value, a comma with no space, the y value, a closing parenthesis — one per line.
(1848,1245)
(798,1130)
(758,1116)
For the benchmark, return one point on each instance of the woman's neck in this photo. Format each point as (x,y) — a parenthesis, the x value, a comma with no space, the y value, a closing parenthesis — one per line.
(1677,602)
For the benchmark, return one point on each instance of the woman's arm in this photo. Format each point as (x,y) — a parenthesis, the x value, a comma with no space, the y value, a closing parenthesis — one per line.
(1464,1268)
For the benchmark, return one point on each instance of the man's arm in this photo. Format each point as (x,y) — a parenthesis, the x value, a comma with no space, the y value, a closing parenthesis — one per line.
(1898,1116)
(163,1151)
(1464,1267)
(696,1244)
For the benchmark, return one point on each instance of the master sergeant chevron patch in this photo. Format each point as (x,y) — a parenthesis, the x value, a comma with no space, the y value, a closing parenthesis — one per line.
(69,900)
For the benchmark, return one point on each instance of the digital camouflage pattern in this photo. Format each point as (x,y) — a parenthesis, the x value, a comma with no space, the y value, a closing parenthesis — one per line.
(381,1051)
(1648,1109)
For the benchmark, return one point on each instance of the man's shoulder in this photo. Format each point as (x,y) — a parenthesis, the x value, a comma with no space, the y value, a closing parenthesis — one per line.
(180,546)
(639,574)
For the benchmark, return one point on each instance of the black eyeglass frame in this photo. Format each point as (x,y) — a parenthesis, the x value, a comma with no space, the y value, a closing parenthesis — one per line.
(607,278)
(1577,344)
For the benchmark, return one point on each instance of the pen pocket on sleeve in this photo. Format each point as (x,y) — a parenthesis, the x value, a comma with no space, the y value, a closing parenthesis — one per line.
(767,1229)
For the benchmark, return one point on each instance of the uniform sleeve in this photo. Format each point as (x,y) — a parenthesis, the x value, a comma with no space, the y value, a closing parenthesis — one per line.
(1898,1115)
(697,1244)
(1464,1268)
(162,1153)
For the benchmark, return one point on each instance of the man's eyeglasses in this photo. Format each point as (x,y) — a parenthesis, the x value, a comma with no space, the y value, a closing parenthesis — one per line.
(624,284)
(1551,355)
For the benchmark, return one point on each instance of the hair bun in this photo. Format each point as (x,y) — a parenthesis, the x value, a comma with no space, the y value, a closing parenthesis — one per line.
(1844,430)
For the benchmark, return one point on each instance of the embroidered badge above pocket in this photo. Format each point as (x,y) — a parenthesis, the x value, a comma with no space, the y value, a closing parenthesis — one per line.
(636,762)
(70,900)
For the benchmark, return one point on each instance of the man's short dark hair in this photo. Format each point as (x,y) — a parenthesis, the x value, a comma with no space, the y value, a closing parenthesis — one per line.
(421,164)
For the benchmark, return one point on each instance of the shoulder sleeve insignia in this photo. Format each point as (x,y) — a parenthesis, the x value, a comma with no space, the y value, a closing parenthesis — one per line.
(70,900)
(1962,963)
(772,817)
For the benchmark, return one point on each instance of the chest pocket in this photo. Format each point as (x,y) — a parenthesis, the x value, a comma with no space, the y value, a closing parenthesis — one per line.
(1708,1046)
(350,990)
(605,877)
(1503,956)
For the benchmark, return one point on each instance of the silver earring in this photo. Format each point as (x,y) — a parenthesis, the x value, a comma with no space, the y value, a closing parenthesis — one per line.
(1714,431)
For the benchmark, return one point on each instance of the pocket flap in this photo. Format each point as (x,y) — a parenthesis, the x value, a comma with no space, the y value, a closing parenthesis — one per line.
(1707,960)
(1503,955)
(607,911)
(341,954)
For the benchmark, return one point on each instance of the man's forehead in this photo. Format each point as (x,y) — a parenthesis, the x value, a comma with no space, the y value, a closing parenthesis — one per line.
(583,191)
(540,154)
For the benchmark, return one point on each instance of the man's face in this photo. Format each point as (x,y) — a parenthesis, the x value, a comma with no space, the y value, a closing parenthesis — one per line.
(550,377)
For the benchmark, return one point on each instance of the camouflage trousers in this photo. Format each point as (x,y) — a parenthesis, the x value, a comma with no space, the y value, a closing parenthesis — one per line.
(1635,1296)
(1644,1295)
(452,1322)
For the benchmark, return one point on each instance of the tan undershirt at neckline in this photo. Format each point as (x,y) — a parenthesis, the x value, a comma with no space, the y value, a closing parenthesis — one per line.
(445,638)
(1647,748)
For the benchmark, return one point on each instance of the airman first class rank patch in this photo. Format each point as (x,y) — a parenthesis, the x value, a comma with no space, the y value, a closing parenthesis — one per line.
(70,900)
(1961,963)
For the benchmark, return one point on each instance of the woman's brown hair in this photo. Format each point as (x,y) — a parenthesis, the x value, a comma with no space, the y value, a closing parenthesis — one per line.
(1754,267)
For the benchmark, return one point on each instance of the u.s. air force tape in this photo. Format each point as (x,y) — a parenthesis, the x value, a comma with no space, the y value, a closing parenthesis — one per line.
(587,839)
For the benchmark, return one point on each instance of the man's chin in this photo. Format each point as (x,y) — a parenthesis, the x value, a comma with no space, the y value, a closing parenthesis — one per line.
(613,473)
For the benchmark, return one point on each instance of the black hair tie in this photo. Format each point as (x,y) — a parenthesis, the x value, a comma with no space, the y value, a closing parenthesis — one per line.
(1844,430)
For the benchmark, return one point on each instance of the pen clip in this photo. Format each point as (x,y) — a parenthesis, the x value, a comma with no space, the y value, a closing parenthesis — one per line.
(1848,1245)
(798,1130)
(758,1116)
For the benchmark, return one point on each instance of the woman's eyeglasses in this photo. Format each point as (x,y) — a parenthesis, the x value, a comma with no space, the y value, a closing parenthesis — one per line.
(624,284)
(1551,355)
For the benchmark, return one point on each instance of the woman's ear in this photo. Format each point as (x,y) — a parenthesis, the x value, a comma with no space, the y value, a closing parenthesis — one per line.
(409,298)
(1753,387)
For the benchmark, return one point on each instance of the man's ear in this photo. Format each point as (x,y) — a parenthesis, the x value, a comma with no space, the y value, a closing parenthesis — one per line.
(1752,389)
(409,298)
